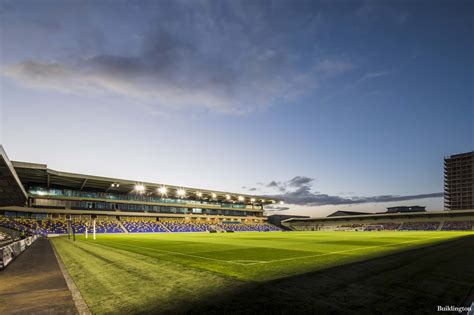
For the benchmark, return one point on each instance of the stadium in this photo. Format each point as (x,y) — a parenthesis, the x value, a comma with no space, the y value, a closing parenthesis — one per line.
(236,157)
(138,247)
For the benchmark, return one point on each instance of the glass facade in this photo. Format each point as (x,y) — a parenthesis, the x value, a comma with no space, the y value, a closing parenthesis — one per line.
(54,192)
(105,202)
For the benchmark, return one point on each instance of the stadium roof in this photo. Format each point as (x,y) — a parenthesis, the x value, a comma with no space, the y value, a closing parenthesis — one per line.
(12,191)
(40,174)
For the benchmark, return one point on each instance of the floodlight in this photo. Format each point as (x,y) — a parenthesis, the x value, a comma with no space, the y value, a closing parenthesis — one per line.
(281,202)
(199,194)
(163,190)
(112,185)
(213,195)
(139,188)
(227,197)
(241,198)
(181,192)
(117,185)
(252,199)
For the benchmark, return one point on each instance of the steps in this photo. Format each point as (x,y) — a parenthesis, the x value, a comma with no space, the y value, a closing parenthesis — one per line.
(441,224)
(123,227)
(163,226)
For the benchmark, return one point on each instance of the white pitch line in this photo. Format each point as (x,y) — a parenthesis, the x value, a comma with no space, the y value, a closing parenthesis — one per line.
(253,262)
(178,253)
(340,252)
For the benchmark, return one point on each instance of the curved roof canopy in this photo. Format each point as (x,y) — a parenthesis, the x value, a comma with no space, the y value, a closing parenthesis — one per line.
(12,192)
(39,174)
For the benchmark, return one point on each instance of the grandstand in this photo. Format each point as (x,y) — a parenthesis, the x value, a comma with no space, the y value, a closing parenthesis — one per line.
(55,227)
(155,253)
(42,201)
(407,221)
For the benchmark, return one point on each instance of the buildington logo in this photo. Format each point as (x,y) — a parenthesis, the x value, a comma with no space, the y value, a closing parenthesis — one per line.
(451,308)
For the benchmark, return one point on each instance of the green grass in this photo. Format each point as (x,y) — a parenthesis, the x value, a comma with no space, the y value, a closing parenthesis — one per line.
(177,272)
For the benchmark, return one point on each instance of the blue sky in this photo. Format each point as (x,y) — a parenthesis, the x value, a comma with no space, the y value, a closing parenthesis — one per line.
(330,105)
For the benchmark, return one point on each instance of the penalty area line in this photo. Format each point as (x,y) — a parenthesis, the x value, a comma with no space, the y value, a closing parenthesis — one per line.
(339,252)
(256,262)
(181,254)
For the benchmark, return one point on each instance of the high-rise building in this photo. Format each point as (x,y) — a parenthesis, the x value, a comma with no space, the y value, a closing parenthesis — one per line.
(459,181)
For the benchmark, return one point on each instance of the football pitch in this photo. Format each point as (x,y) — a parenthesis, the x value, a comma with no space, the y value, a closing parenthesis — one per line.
(200,272)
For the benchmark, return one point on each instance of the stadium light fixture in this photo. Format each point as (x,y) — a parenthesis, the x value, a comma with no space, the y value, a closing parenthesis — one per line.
(213,195)
(281,202)
(163,190)
(199,194)
(181,192)
(241,198)
(227,197)
(252,199)
(140,188)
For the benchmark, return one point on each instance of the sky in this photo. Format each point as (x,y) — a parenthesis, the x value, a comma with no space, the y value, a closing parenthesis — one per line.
(329,105)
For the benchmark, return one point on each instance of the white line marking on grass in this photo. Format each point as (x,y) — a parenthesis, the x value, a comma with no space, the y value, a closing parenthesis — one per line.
(341,251)
(248,261)
(256,262)
(181,254)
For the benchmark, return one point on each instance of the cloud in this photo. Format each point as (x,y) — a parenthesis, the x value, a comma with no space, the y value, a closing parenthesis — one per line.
(226,57)
(299,181)
(249,188)
(295,182)
(367,77)
(372,75)
(273,184)
(371,11)
(303,195)
(334,66)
